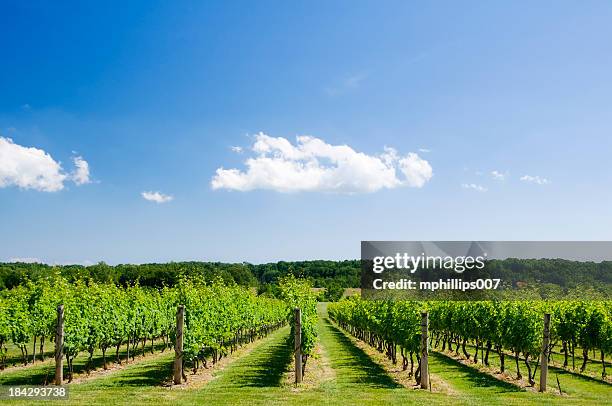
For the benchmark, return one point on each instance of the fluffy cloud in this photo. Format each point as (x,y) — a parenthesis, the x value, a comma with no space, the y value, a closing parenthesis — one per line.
(498,175)
(316,166)
(80,176)
(156,197)
(534,179)
(29,168)
(33,168)
(416,170)
(473,186)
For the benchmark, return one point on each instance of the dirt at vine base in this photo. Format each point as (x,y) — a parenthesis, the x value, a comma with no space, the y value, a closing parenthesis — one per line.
(318,371)
(113,367)
(20,366)
(494,372)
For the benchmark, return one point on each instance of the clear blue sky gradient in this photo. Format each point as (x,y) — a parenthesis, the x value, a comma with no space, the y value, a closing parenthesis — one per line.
(153,94)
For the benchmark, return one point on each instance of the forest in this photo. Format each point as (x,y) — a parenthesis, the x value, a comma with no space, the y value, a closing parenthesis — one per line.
(334,276)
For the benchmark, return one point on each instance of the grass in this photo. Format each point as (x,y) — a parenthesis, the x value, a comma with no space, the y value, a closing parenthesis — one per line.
(578,386)
(353,365)
(40,372)
(593,369)
(258,378)
(14,356)
(593,366)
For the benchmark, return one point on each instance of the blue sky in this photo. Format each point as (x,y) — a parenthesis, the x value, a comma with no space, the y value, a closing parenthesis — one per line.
(154,95)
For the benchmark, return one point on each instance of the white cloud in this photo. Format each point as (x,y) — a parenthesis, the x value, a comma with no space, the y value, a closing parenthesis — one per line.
(535,179)
(498,175)
(474,186)
(424,150)
(33,168)
(237,150)
(29,168)
(157,197)
(33,260)
(85,262)
(26,260)
(316,166)
(80,176)
(416,170)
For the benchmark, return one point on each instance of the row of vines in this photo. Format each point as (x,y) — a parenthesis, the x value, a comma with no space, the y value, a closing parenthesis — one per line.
(97,317)
(298,293)
(508,328)
(220,318)
(106,317)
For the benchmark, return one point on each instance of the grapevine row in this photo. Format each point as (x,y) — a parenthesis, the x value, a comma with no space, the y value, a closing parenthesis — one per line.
(97,316)
(298,293)
(504,327)
(219,318)
(106,316)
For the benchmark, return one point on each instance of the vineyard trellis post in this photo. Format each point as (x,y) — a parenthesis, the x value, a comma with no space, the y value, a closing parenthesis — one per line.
(59,346)
(424,350)
(298,344)
(545,350)
(178,346)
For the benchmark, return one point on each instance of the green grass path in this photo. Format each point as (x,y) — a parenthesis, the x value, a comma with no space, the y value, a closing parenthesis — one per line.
(256,378)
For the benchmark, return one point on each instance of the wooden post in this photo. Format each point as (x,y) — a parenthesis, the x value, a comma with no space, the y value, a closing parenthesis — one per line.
(424,350)
(178,346)
(59,346)
(545,349)
(298,345)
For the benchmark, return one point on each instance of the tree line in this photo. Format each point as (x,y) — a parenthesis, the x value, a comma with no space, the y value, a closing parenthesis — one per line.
(334,276)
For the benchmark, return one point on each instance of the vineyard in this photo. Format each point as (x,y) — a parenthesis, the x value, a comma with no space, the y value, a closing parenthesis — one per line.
(126,338)
(105,317)
(508,328)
